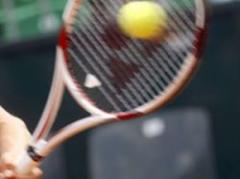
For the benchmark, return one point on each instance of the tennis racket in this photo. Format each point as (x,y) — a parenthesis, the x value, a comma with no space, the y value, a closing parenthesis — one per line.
(115,77)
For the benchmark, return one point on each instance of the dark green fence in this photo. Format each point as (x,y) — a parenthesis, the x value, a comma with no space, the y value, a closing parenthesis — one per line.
(27,19)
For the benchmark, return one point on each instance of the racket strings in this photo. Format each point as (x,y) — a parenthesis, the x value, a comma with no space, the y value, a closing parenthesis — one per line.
(189,5)
(135,49)
(179,31)
(122,76)
(156,65)
(134,92)
(120,55)
(75,58)
(172,66)
(150,72)
(178,25)
(177,36)
(134,55)
(179,14)
(159,65)
(182,15)
(81,48)
(125,101)
(157,57)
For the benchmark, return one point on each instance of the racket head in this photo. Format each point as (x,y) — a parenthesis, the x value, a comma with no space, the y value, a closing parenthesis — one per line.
(108,72)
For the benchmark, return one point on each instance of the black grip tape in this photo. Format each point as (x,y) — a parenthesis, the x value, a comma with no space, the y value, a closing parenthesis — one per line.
(33,154)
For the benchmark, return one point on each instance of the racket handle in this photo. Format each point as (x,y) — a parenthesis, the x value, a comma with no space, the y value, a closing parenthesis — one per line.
(31,158)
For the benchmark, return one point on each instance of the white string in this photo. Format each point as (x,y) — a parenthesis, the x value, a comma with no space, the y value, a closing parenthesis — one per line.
(152,61)
(132,51)
(110,53)
(87,71)
(100,41)
(183,15)
(101,63)
(150,69)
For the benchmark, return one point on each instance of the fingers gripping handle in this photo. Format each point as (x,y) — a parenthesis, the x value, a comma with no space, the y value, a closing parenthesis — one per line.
(31,158)
(36,153)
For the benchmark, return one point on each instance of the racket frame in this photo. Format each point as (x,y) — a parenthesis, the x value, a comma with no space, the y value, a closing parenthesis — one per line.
(62,76)
(191,63)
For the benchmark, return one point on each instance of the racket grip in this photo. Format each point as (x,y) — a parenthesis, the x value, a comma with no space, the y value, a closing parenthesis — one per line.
(31,158)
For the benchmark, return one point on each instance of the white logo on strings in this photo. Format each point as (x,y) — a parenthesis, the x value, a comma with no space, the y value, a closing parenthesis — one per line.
(92,81)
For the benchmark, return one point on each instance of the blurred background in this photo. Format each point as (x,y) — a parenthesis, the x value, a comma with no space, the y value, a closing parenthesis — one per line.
(195,136)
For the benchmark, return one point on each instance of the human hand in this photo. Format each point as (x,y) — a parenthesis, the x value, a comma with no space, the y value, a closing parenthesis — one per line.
(7,171)
(14,138)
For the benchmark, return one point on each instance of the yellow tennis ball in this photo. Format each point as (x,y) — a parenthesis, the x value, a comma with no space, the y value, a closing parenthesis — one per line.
(142,19)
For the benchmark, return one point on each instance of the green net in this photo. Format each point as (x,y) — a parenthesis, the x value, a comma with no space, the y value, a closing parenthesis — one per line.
(27,19)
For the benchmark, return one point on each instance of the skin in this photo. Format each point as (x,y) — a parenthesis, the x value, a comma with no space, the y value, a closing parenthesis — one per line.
(14,138)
